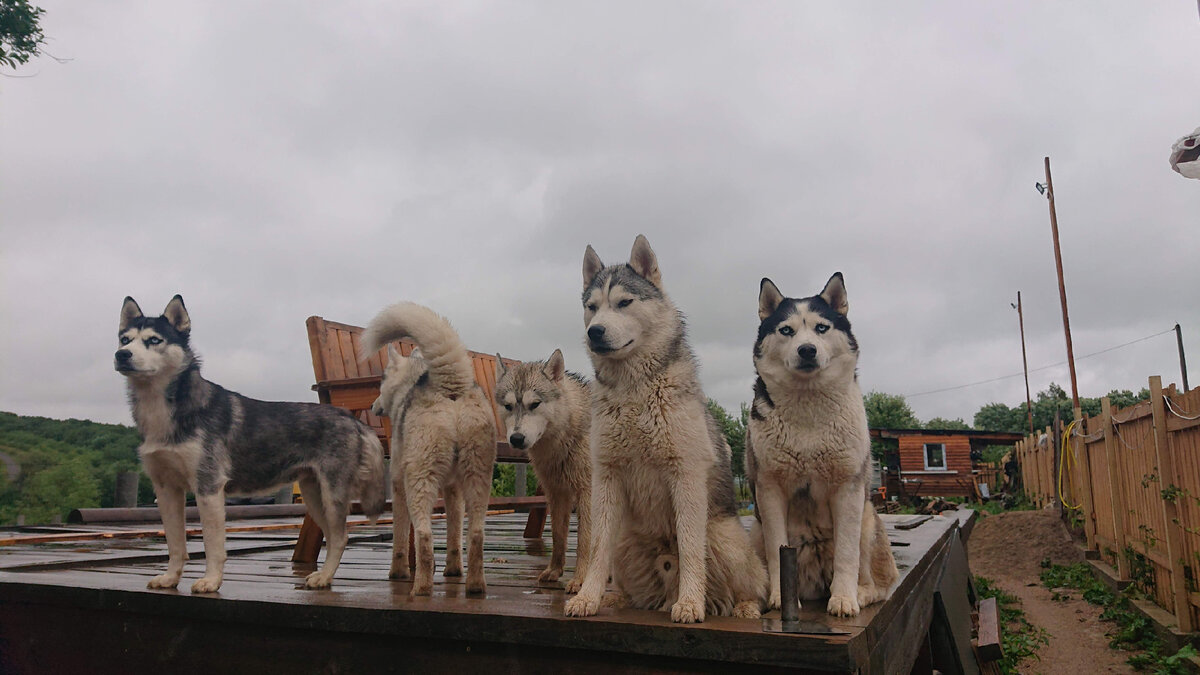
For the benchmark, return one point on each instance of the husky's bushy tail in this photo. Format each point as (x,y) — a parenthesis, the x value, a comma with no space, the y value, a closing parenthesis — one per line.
(450,369)
(373,480)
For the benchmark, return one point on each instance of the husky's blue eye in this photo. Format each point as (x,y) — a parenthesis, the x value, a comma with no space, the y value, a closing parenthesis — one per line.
(153,341)
(822,328)
(126,340)
(787,330)
(624,303)
(508,407)
(591,307)
(534,405)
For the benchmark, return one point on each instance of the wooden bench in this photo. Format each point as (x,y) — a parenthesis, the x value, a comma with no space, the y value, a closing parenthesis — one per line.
(344,381)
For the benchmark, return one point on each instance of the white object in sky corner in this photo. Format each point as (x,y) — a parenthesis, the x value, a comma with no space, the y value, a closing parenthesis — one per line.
(1185,155)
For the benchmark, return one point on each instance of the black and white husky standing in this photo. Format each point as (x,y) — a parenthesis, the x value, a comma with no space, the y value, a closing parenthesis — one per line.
(202,438)
(808,451)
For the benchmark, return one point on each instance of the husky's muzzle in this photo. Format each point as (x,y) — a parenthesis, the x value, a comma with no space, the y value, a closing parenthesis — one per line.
(123,361)
(597,341)
(808,358)
(517,440)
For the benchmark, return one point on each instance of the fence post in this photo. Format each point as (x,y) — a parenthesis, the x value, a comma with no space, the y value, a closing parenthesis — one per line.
(1174,533)
(1116,487)
(1087,498)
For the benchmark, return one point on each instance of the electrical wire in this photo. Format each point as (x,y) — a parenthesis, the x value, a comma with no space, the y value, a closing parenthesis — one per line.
(1039,368)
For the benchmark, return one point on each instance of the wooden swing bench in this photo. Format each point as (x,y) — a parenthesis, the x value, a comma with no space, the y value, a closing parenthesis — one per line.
(344,381)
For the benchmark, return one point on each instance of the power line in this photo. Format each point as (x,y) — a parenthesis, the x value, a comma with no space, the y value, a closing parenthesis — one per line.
(1040,368)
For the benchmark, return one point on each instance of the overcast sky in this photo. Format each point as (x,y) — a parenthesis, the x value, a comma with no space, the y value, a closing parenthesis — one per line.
(275,160)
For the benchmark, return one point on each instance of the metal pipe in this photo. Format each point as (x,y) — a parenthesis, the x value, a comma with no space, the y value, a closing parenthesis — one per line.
(1182,360)
(789,591)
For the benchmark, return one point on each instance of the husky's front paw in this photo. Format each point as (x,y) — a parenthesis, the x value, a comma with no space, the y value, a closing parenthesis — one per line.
(747,609)
(550,574)
(582,605)
(318,580)
(688,611)
(574,584)
(476,584)
(453,566)
(843,605)
(420,589)
(616,600)
(167,580)
(773,602)
(206,585)
(399,570)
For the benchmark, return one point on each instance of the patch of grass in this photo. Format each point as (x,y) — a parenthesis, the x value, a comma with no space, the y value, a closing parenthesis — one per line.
(1018,638)
(1001,505)
(1133,631)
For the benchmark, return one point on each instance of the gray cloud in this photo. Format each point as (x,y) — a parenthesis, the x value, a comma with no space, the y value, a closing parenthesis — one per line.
(285,160)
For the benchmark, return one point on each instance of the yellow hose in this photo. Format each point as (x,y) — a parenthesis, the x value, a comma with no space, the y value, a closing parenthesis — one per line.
(1066,459)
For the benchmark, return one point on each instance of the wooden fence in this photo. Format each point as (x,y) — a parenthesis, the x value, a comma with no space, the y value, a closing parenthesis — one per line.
(1133,476)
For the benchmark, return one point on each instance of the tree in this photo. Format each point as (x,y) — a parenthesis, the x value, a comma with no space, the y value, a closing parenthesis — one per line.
(889,411)
(943,423)
(20,34)
(734,430)
(999,417)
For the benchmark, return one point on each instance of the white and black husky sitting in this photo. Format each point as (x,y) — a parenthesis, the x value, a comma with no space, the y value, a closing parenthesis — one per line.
(808,451)
(202,438)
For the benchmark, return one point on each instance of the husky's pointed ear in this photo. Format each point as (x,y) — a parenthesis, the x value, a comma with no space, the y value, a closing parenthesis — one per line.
(591,266)
(129,312)
(500,369)
(835,294)
(769,298)
(392,353)
(177,315)
(416,354)
(643,261)
(556,367)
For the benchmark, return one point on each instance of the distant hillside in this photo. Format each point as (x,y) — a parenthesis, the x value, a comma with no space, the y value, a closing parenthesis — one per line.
(64,464)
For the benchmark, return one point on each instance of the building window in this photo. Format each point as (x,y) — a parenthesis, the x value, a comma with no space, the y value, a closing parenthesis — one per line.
(935,456)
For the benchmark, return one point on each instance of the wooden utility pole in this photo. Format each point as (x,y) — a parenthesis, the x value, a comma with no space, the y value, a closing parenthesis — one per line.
(1062,291)
(1025,363)
(1182,360)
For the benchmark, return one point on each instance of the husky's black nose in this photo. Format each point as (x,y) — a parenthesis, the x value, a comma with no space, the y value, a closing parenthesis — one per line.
(807,352)
(596,333)
(123,355)
(517,440)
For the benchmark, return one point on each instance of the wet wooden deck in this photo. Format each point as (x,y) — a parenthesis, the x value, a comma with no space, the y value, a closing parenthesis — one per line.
(83,606)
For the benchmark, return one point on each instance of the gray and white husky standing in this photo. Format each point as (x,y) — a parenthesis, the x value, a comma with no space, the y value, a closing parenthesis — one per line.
(200,437)
(443,439)
(662,488)
(808,451)
(547,410)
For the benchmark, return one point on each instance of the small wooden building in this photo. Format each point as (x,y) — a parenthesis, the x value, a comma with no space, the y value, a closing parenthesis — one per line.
(938,462)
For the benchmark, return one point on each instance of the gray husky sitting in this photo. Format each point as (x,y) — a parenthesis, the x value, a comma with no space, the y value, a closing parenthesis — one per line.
(202,438)
(808,450)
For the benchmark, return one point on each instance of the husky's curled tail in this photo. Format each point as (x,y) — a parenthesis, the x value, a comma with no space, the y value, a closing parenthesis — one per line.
(450,370)
(372,476)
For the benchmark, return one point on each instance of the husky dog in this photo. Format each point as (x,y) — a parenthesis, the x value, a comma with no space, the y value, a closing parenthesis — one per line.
(443,438)
(662,489)
(200,437)
(546,409)
(808,451)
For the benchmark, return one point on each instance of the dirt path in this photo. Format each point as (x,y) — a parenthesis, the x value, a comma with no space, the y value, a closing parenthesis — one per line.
(1008,548)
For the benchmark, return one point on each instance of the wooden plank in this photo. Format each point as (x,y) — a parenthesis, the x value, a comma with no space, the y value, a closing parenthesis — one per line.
(1174,532)
(316,345)
(1116,490)
(1089,509)
(345,342)
(988,642)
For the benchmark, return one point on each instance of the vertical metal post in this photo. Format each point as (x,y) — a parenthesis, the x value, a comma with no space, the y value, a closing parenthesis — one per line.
(1025,363)
(1062,289)
(1182,360)
(789,592)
